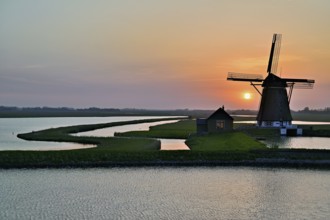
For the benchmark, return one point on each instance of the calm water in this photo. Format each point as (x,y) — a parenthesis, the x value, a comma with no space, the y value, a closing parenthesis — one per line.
(299,142)
(166,144)
(165,193)
(10,127)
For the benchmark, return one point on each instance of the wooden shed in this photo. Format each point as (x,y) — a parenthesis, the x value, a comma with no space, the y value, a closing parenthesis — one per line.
(219,121)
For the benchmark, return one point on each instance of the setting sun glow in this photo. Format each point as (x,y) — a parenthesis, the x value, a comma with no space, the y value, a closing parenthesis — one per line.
(247,95)
(158,54)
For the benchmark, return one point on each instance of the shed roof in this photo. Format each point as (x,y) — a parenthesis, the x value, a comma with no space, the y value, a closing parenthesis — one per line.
(220,114)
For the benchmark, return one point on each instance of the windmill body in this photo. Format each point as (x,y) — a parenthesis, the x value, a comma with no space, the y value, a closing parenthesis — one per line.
(274,109)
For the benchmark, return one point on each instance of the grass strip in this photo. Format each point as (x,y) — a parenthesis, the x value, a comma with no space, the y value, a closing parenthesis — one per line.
(224,142)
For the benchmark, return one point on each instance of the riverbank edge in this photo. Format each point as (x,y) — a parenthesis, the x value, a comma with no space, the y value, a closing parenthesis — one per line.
(256,158)
(259,162)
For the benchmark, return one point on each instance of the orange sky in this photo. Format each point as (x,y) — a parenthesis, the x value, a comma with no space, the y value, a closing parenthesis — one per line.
(158,54)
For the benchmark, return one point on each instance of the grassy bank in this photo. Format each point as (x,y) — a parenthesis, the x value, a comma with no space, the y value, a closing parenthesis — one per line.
(311,117)
(229,141)
(108,149)
(316,130)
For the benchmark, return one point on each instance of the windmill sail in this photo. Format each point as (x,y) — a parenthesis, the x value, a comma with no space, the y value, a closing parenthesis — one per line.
(274,54)
(274,109)
(245,77)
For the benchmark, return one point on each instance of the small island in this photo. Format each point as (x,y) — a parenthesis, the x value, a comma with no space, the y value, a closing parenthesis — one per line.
(237,147)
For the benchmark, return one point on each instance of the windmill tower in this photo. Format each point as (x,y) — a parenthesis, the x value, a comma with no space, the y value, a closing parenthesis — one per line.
(274,110)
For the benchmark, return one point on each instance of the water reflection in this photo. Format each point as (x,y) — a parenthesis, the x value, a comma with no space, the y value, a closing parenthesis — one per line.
(165,193)
(173,144)
(299,142)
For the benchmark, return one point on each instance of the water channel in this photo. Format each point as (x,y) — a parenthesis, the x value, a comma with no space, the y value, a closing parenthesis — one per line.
(166,144)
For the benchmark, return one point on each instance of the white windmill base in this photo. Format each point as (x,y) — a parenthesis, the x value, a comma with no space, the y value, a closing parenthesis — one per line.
(274,124)
(286,127)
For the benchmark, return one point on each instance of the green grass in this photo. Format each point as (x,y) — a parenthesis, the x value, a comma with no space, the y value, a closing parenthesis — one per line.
(315,127)
(316,130)
(229,141)
(262,132)
(110,149)
(177,130)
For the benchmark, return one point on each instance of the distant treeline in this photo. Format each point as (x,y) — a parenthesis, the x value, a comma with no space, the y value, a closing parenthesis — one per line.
(242,112)
(58,109)
(317,111)
(8,111)
(305,110)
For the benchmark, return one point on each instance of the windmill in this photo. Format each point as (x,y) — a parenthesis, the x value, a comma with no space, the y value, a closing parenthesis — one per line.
(274,110)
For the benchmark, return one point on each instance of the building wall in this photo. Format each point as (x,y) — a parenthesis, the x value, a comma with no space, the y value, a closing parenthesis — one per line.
(274,105)
(201,128)
(201,125)
(219,125)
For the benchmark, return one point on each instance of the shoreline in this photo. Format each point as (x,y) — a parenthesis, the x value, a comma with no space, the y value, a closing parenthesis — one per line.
(260,162)
(228,149)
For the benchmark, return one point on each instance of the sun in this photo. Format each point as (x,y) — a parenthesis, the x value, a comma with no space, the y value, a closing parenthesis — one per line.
(247,96)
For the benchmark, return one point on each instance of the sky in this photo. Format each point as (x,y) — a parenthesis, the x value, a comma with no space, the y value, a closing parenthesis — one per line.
(154,54)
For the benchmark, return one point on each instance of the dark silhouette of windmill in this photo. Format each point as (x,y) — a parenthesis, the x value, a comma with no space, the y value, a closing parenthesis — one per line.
(274,110)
